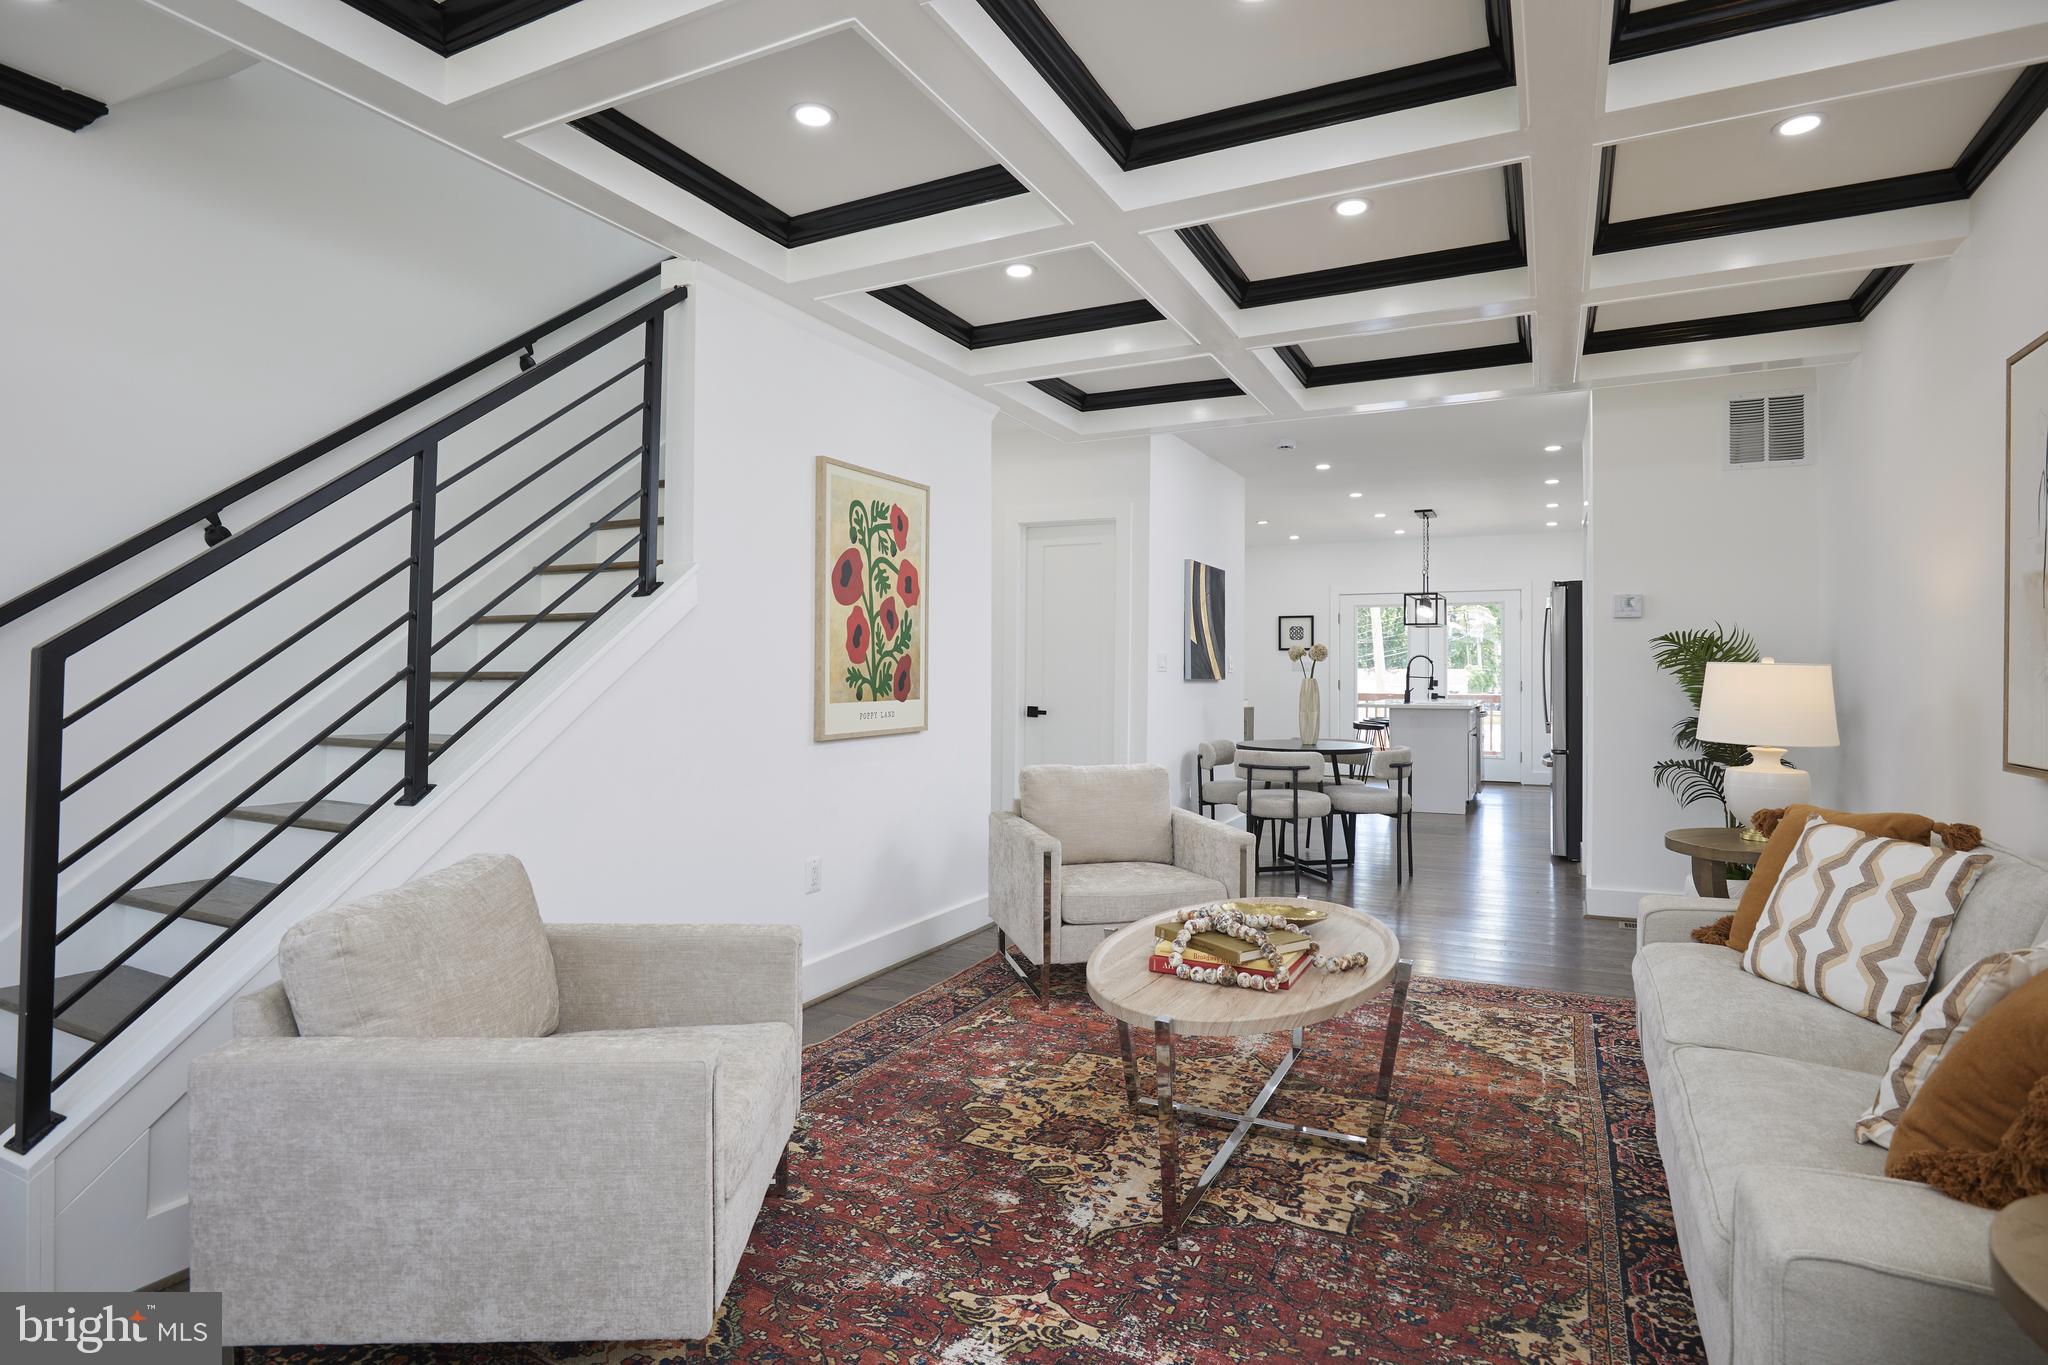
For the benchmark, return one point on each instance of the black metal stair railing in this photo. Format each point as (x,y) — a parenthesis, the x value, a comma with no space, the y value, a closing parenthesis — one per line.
(315,702)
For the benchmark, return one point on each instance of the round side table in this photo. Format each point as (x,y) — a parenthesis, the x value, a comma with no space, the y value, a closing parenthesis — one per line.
(1711,850)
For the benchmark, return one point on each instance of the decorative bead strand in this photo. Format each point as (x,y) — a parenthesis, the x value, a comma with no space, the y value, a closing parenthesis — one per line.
(1247,927)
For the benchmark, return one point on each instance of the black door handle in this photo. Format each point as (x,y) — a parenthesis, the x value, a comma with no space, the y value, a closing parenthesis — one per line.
(1036,711)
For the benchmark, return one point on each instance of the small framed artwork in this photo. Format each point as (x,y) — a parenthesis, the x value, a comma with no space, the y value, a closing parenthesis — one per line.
(1297,632)
(873,619)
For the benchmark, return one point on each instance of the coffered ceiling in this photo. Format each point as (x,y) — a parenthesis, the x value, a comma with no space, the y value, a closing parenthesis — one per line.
(1238,213)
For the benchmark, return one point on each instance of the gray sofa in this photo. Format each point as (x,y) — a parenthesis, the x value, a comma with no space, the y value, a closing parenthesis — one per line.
(509,1131)
(1088,850)
(1797,1246)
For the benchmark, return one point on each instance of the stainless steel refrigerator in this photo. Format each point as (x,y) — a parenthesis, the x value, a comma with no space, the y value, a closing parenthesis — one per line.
(1564,653)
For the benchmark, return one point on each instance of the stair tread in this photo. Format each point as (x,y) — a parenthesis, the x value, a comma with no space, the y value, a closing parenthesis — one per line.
(484,675)
(104,1006)
(609,566)
(330,816)
(226,905)
(520,618)
(396,743)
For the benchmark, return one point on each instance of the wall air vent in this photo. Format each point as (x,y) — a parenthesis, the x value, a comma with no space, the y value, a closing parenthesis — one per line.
(1767,430)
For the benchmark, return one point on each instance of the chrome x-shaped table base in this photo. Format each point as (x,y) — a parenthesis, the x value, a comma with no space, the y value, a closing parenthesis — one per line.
(1175,1207)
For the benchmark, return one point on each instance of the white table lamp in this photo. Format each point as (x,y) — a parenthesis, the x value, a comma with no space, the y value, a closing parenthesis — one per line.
(1788,706)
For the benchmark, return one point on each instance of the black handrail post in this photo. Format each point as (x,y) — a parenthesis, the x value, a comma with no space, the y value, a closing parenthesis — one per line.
(33,1116)
(419,655)
(650,460)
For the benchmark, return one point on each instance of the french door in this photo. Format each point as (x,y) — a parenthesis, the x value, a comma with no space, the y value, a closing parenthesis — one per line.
(1475,656)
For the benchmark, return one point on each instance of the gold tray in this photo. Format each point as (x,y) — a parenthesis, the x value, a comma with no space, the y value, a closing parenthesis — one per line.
(1295,911)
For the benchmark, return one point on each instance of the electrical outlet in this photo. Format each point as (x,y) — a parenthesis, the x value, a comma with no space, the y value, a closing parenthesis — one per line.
(1159,663)
(814,876)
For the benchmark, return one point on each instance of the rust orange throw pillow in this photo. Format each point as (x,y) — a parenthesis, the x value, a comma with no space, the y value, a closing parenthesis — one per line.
(1991,1180)
(1791,823)
(1981,1084)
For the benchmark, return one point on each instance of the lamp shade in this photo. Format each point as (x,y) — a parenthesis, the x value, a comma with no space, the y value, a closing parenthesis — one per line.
(1789,706)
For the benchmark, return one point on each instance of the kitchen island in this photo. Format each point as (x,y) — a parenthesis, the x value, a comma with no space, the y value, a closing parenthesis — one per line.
(1444,736)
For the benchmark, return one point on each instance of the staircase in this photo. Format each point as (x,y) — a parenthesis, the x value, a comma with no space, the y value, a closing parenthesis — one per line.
(197,745)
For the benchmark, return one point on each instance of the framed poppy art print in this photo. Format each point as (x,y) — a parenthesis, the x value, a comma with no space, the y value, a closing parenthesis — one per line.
(874,640)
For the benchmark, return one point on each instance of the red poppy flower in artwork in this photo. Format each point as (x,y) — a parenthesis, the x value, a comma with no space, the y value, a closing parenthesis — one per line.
(909,583)
(857,636)
(846,578)
(899,527)
(887,618)
(901,686)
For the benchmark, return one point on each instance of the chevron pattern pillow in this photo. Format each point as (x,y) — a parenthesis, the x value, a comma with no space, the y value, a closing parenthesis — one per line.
(1946,1017)
(1859,920)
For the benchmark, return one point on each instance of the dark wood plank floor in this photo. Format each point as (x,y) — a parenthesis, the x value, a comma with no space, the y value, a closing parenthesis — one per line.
(1487,903)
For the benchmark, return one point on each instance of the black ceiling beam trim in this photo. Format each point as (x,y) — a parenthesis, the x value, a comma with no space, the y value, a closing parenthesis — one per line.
(1870,292)
(1314,376)
(1191,391)
(457,25)
(48,101)
(648,149)
(1208,248)
(2016,112)
(955,328)
(1518,213)
(1444,78)
(1690,22)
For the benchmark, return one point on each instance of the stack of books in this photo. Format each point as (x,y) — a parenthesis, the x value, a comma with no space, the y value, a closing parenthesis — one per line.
(1214,949)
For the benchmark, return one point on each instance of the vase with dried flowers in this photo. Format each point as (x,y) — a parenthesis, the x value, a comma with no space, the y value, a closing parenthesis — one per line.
(1311,716)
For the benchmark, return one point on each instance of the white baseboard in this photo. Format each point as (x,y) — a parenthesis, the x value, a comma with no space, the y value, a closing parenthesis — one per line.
(1618,902)
(829,972)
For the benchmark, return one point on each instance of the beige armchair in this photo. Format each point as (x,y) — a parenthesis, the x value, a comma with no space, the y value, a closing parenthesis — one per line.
(1088,850)
(453,1123)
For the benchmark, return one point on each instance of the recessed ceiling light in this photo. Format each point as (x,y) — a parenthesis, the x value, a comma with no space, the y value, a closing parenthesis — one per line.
(1019,271)
(1552,450)
(1549,482)
(1351,208)
(1261,523)
(1550,523)
(1799,125)
(1322,466)
(1551,505)
(1358,495)
(1294,537)
(1400,530)
(1378,515)
(812,115)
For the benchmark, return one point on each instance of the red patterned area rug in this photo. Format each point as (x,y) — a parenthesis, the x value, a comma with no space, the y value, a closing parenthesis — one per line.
(970,1189)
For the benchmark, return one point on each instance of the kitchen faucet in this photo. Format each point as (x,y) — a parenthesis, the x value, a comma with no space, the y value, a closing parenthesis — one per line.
(1408,678)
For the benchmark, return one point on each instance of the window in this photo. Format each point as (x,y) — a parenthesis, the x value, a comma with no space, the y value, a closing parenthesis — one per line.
(1382,639)
(1473,667)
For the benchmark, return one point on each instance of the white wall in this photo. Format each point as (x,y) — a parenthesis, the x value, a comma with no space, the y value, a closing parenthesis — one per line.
(1197,512)
(1703,543)
(1306,580)
(1168,503)
(693,791)
(1912,464)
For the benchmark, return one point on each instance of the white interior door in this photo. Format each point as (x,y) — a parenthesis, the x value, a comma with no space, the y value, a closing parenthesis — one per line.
(1068,677)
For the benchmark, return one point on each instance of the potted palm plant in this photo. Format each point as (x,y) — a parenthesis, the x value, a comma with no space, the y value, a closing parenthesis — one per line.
(1685,654)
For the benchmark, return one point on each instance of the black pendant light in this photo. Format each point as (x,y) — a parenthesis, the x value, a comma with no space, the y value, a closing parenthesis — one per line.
(1423,608)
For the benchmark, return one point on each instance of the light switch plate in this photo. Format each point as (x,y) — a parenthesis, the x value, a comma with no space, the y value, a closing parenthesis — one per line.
(1628,606)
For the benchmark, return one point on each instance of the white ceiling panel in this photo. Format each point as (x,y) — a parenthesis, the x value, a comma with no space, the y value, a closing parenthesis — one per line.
(1898,132)
(1060,282)
(887,135)
(1189,371)
(1468,209)
(1742,298)
(1480,465)
(1162,60)
(1462,336)
(112,50)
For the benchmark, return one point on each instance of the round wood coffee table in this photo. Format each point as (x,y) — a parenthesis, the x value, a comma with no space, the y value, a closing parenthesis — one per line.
(2019,1264)
(1124,987)
(1711,850)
